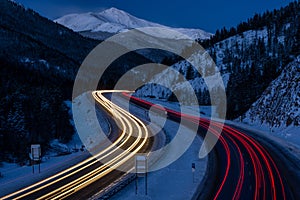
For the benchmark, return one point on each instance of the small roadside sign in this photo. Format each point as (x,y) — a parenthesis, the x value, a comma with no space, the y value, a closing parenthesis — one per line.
(141,166)
(36,152)
(141,171)
(193,167)
(193,171)
(35,155)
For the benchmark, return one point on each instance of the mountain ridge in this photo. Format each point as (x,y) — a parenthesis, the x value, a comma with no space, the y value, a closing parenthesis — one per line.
(114,21)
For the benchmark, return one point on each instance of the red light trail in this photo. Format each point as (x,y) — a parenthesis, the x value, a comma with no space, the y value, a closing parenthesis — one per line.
(236,144)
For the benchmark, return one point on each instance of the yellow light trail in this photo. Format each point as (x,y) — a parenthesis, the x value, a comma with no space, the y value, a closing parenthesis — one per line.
(127,122)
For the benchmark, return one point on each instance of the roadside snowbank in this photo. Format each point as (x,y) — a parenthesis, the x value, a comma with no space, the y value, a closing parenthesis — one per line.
(16,177)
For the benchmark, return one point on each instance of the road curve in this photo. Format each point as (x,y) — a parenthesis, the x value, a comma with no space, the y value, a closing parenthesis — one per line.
(246,168)
(71,181)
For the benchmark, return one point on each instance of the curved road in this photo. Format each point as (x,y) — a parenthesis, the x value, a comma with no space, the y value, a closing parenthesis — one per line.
(246,167)
(99,168)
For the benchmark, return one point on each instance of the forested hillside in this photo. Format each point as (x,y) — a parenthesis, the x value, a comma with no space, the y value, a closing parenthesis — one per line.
(249,57)
(38,62)
(255,53)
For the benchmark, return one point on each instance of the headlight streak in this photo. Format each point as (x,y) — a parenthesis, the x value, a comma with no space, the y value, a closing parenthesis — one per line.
(264,167)
(129,124)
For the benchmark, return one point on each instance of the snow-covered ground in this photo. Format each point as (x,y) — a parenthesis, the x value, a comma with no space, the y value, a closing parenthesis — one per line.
(89,122)
(16,177)
(287,137)
(174,181)
(59,157)
(289,134)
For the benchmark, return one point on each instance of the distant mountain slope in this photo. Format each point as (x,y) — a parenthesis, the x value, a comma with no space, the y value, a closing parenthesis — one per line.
(279,105)
(249,57)
(112,21)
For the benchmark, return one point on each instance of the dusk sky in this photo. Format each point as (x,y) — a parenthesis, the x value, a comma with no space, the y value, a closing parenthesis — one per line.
(208,15)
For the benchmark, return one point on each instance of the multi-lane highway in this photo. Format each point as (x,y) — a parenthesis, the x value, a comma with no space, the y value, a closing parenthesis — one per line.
(245,168)
(72,183)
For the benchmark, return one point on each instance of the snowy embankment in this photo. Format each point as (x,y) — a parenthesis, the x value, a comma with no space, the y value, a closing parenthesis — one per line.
(292,145)
(16,177)
(287,136)
(59,157)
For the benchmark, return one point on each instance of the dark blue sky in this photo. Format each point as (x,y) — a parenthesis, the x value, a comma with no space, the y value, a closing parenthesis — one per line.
(208,15)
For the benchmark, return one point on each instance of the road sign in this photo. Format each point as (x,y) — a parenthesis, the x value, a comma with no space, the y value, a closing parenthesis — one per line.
(193,171)
(193,167)
(141,171)
(36,152)
(141,166)
(35,155)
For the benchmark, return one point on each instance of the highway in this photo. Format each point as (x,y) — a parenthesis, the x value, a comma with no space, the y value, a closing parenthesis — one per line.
(245,167)
(99,170)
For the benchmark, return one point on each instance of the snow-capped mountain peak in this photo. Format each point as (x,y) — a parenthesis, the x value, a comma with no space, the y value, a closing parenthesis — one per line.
(117,16)
(114,21)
